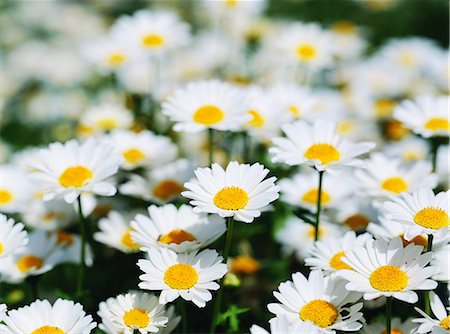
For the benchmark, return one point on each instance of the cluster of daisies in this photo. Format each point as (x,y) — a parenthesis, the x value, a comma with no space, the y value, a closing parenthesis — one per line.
(341,157)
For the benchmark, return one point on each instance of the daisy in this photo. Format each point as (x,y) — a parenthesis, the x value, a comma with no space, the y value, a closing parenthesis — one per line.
(40,317)
(320,300)
(142,149)
(238,191)
(15,189)
(50,215)
(70,245)
(422,211)
(12,236)
(103,118)
(409,149)
(398,327)
(207,105)
(72,168)
(426,115)
(137,311)
(233,8)
(327,253)
(281,325)
(180,229)
(317,145)
(355,214)
(294,101)
(173,322)
(388,269)
(438,325)
(188,275)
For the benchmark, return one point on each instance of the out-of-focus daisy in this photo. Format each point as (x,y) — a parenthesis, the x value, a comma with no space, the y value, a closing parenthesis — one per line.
(72,168)
(244,265)
(162,184)
(355,214)
(136,311)
(347,40)
(232,8)
(281,325)
(422,211)
(317,145)
(440,324)
(180,229)
(12,236)
(15,189)
(327,253)
(48,216)
(142,149)
(441,260)
(387,269)
(103,118)
(173,322)
(410,149)
(207,104)
(187,275)
(397,327)
(320,300)
(425,115)
(294,101)
(63,317)
(443,165)
(240,191)
(70,245)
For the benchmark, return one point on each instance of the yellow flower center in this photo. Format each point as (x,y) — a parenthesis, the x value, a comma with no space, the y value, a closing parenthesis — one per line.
(395,130)
(28,262)
(325,153)
(384,107)
(294,110)
(344,28)
(231,198)
(181,276)
(257,120)
(231,3)
(48,330)
(306,52)
(357,222)
(127,241)
(312,232)
(345,127)
(320,312)
(133,155)
(136,318)
(107,123)
(437,124)
(418,240)
(153,41)
(393,331)
(176,237)
(445,323)
(388,279)
(208,115)
(407,59)
(395,185)
(64,239)
(5,196)
(76,176)
(311,196)
(1,248)
(412,156)
(433,218)
(167,189)
(337,263)
(116,59)
(244,265)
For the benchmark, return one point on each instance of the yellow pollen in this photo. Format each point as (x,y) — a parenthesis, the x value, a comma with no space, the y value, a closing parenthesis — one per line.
(1,248)
(407,59)
(395,185)
(395,130)
(153,41)
(412,156)
(64,239)
(116,59)
(167,189)
(337,263)
(320,312)
(208,115)
(5,196)
(345,127)
(393,331)
(418,240)
(388,279)
(107,123)
(231,3)
(133,155)
(433,218)
(344,28)
(181,276)
(257,120)
(48,330)
(244,265)
(311,196)
(136,318)
(231,198)
(325,153)
(384,107)
(127,241)
(357,222)
(28,262)
(445,323)
(294,110)
(176,237)
(76,176)
(312,231)
(437,124)
(306,52)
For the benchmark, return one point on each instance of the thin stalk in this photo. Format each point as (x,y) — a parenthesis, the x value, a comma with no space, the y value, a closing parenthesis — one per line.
(388,314)
(434,149)
(319,204)
(82,266)
(427,293)
(183,312)
(211,145)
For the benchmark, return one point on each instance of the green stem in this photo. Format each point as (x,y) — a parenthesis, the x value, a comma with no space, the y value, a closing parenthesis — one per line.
(183,312)
(211,145)
(246,147)
(427,293)
(319,204)
(388,314)
(219,297)
(82,266)
(434,150)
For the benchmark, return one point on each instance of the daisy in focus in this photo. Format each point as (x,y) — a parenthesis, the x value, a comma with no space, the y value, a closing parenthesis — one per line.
(239,191)
(190,276)
(440,324)
(12,236)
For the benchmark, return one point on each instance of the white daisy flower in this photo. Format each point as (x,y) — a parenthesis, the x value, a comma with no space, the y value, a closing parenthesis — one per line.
(443,165)
(409,149)
(238,192)
(385,176)
(320,300)
(180,229)
(294,101)
(173,322)
(397,327)
(15,189)
(136,311)
(281,325)
(422,211)
(347,41)
(40,317)
(72,168)
(188,275)
(440,324)
(327,253)
(103,118)
(207,105)
(116,232)
(387,269)
(441,260)
(317,145)
(49,216)
(425,115)
(142,149)
(70,244)
(12,236)
(355,214)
